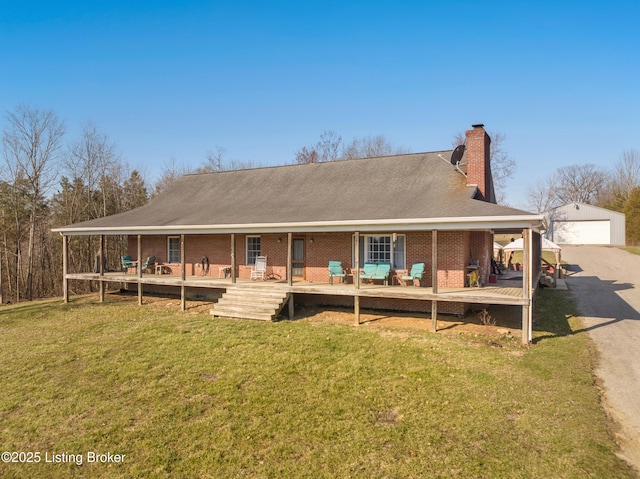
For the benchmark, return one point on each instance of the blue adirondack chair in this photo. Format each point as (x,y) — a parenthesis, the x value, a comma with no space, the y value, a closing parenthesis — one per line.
(415,275)
(336,271)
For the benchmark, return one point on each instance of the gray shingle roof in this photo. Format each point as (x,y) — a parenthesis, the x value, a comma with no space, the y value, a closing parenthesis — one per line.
(413,186)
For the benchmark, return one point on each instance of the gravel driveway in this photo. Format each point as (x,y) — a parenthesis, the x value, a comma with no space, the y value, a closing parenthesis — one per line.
(606,281)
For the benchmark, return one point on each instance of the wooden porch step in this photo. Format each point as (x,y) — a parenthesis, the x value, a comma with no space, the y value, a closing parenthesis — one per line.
(250,303)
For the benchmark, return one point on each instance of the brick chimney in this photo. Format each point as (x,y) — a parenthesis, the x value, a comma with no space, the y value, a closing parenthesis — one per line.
(478,162)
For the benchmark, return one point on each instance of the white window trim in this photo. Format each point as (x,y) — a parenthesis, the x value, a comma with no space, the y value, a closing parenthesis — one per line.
(364,240)
(169,238)
(246,249)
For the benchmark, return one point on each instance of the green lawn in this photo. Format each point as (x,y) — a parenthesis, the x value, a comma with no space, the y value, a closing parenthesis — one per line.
(633,249)
(186,395)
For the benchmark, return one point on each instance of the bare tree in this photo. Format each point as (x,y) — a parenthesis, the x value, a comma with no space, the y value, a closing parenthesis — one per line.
(326,149)
(570,184)
(171,172)
(540,196)
(93,160)
(371,147)
(31,145)
(625,177)
(217,161)
(331,148)
(579,184)
(307,155)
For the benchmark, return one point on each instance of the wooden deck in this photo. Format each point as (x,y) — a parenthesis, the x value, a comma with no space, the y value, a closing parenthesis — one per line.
(507,290)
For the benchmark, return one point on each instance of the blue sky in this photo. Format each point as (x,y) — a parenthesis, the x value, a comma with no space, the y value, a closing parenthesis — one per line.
(261,79)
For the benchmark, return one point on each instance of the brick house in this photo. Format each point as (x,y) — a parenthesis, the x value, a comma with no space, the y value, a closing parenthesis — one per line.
(400,209)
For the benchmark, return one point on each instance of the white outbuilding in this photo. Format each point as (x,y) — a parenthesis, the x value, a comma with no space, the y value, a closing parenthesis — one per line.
(578,223)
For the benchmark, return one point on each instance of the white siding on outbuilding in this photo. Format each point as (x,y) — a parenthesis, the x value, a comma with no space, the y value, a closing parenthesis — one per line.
(577,223)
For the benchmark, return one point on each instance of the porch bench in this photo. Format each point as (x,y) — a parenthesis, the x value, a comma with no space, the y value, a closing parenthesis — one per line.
(376,271)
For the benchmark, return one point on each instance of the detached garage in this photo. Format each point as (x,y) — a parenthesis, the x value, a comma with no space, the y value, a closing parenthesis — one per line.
(577,223)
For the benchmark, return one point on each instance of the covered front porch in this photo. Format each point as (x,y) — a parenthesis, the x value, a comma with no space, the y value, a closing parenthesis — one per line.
(221,262)
(508,290)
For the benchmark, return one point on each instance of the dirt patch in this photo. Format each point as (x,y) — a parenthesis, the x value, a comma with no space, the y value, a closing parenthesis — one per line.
(507,320)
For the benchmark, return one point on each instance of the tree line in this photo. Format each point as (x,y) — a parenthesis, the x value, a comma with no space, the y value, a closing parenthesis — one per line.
(45,183)
(616,188)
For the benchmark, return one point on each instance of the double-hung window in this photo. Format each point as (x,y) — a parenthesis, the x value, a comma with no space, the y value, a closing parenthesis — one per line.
(253,249)
(173,249)
(383,249)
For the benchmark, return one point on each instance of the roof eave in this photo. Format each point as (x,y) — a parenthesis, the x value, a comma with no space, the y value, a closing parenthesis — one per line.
(534,221)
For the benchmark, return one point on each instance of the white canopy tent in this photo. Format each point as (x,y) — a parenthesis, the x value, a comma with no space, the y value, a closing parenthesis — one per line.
(547,245)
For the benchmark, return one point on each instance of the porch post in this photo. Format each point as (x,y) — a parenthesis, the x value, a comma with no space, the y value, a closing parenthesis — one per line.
(434,315)
(139,270)
(356,275)
(526,284)
(532,287)
(291,307)
(183,276)
(65,268)
(233,258)
(356,279)
(434,263)
(289,258)
(101,268)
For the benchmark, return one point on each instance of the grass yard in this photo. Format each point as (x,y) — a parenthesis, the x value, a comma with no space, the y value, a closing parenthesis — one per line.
(633,249)
(186,395)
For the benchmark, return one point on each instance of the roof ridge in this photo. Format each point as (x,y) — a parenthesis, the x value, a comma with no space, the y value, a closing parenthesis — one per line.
(288,165)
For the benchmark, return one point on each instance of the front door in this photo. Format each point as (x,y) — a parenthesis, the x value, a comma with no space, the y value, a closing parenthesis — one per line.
(297,258)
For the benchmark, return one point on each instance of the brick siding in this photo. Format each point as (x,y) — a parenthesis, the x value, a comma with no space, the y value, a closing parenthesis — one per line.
(455,251)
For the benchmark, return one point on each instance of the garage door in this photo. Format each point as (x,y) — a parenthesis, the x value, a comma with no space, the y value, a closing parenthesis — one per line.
(582,232)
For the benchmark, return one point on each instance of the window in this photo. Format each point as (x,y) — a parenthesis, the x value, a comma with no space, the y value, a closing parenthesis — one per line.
(383,248)
(399,259)
(173,249)
(253,249)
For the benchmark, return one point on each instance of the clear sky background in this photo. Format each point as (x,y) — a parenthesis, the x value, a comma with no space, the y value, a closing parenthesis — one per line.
(263,78)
